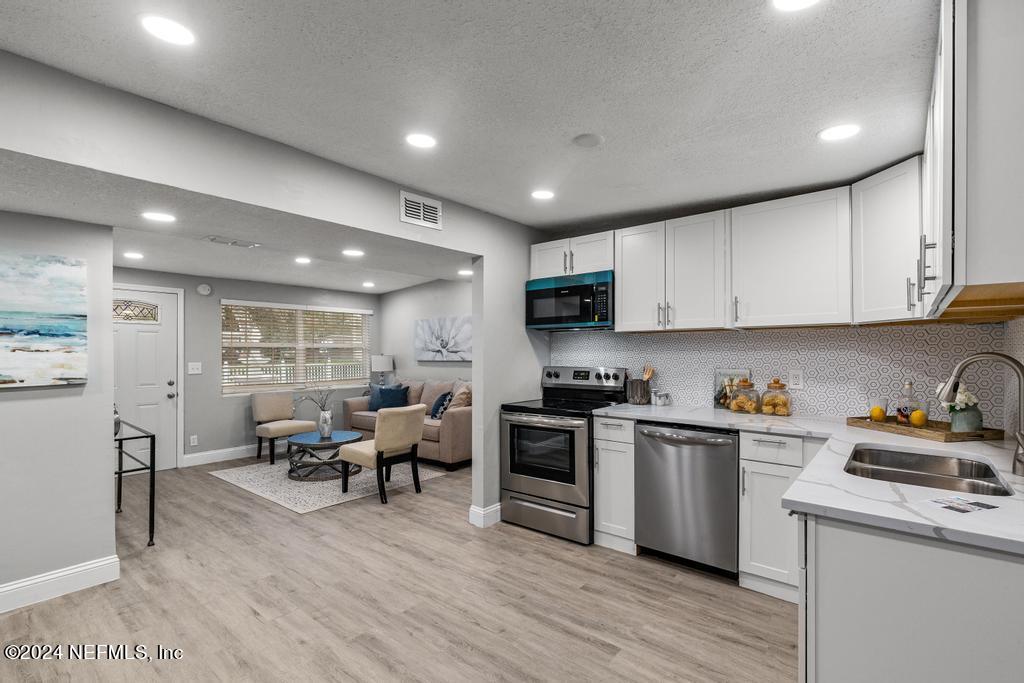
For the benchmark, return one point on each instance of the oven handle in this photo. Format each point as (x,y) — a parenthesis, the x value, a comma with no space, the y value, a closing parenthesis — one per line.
(559,422)
(685,440)
(544,508)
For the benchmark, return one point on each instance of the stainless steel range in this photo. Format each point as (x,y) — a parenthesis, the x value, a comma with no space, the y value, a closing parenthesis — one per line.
(546,453)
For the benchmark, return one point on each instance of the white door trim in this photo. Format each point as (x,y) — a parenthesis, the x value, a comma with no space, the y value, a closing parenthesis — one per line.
(179,456)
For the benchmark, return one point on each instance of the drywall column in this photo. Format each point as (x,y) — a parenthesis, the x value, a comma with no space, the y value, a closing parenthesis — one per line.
(56,454)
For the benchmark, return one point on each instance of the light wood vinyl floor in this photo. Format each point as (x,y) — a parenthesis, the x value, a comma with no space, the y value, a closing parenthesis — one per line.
(408,591)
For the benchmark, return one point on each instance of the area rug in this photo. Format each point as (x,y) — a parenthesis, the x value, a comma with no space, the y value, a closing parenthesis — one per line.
(272,482)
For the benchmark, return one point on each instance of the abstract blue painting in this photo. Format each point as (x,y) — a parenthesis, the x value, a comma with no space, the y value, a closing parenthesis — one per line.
(43,334)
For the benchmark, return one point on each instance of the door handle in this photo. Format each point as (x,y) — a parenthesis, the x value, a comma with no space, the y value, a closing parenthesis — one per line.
(171,395)
(565,262)
(572,258)
(170,382)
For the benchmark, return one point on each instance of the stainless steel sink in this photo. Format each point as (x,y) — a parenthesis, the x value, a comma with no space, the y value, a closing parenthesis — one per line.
(923,469)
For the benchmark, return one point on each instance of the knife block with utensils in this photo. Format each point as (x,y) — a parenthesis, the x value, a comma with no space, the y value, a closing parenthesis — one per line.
(638,391)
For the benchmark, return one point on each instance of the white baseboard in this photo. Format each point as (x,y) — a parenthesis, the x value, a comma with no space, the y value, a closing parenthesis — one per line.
(623,545)
(776,589)
(233,453)
(59,582)
(485,517)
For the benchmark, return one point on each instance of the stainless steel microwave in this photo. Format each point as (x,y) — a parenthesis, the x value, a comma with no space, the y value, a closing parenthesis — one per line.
(570,302)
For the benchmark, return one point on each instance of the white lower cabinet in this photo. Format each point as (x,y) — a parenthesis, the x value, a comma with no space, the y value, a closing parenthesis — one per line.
(768,534)
(613,495)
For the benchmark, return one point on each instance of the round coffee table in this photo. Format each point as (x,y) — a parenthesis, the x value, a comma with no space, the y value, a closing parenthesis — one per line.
(311,453)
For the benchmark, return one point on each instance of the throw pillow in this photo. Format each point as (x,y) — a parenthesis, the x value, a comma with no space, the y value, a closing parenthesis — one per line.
(462,399)
(375,390)
(394,397)
(440,405)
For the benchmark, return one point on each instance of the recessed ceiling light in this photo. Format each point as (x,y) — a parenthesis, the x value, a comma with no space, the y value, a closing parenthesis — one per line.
(132,255)
(167,30)
(420,140)
(159,216)
(793,5)
(542,194)
(587,140)
(368,284)
(840,132)
(465,271)
(303,260)
(353,252)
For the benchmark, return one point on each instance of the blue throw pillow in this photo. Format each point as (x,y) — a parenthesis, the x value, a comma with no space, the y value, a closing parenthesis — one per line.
(394,397)
(440,405)
(375,394)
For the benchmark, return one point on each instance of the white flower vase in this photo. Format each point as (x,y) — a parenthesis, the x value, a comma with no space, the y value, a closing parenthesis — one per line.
(325,425)
(967,419)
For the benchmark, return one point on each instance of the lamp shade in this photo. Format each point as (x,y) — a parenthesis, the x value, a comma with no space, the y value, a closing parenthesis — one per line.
(382,363)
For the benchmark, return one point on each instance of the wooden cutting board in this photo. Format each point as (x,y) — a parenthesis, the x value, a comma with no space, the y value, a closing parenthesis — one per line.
(934,431)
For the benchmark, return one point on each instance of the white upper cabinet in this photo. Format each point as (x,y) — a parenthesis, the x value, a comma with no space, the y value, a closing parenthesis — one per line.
(591,253)
(640,278)
(586,254)
(886,238)
(791,261)
(695,264)
(549,259)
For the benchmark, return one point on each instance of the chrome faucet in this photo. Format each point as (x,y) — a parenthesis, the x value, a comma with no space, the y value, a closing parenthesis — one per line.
(947,394)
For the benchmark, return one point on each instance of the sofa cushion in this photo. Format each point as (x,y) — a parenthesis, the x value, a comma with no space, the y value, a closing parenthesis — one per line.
(433,389)
(463,398)
(393,397)
(440,405)
(280,428)
(431,429)
(375,390)
(460,384)
(415,390)
(364,419)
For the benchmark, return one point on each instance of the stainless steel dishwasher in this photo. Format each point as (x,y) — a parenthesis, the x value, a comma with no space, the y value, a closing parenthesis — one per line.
(687,493)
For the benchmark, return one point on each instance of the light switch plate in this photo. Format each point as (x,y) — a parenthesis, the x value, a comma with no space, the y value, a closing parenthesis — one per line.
(193,440)
(195,368)
(796,378)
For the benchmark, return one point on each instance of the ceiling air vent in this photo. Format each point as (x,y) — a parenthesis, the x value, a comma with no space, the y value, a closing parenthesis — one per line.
(420,210)
(231,242)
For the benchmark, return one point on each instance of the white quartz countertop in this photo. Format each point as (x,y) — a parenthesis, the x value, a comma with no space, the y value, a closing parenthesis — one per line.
(824,489)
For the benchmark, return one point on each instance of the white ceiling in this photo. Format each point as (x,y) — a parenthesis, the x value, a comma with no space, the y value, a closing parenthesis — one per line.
(698,101)
(40,186)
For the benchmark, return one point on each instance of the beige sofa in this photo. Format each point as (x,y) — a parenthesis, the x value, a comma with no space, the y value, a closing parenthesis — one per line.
(448,440)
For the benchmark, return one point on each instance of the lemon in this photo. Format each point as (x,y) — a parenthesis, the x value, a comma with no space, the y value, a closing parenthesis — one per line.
(919,418)
(877,414)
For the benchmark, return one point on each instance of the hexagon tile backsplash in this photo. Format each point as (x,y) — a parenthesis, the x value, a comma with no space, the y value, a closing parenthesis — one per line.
(1015,347)
(842,367)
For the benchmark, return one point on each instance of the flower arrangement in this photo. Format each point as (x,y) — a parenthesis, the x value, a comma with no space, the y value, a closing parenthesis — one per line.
(321,396)
(964,399)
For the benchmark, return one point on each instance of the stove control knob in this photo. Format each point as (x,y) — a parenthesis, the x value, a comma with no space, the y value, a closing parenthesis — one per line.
(548,374)
(557,375)
(615,376)
(607,377)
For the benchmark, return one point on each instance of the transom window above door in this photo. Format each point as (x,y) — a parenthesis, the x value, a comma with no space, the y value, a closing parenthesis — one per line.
(131,311)
(273,346)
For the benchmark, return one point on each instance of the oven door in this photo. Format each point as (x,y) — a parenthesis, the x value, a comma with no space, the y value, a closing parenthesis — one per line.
(546,456)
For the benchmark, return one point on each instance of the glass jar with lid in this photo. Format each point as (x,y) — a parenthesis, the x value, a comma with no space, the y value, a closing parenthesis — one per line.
(745,398)
(776,400)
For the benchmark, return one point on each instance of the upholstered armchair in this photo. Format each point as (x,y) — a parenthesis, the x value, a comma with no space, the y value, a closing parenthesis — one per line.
(397,435)
(274,413)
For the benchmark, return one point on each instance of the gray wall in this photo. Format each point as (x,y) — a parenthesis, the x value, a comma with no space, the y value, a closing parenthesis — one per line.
(226,421)
(56,454)
(399,311)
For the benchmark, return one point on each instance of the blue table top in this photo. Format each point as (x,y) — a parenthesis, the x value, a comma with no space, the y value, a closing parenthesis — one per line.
(338,438)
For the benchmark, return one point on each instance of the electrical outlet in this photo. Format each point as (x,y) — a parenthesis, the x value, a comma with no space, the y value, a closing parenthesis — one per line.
(796,378)
(193,440)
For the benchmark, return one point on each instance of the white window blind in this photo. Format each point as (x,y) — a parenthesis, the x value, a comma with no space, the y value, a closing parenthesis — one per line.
(278,346)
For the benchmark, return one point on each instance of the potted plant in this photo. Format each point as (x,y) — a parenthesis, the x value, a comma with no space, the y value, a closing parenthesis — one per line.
(964,413)
(321,396)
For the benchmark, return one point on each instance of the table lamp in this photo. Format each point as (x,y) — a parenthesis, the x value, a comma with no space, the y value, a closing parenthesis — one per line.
(382,364)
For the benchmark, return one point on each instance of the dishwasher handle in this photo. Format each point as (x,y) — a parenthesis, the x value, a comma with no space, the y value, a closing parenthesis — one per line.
(685,440)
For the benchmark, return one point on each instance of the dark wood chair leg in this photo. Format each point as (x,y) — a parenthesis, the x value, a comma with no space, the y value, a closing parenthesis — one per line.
(272,449)
(380,478)
(344,477)
(414,463)
(259,447)
(289,448)
(387,472)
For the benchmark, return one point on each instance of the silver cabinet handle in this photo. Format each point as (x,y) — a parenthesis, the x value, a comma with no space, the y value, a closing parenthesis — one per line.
(735,309)
(565,262)
(612,425)
(572,258)
(771,442)
(743,481)
(668,308)
(597,456)
(922,266)
(659,315)
(910,295)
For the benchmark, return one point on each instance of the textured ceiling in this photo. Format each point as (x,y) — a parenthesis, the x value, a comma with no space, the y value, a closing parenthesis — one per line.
(698,101)
(85,195)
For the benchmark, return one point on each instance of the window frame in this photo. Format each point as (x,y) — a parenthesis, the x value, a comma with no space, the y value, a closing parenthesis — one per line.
(298,346)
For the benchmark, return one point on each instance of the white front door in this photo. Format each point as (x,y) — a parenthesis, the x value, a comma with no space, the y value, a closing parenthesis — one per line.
(146,369)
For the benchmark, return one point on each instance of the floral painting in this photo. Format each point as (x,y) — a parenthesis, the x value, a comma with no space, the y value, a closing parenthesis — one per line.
(444,339)
(42,321)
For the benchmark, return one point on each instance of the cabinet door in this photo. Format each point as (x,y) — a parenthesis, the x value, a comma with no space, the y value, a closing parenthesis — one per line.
(592,253)
(549,259)
(695,249)
(640,277)
(613,488)
(768,534)
(886,237)
(791,260)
